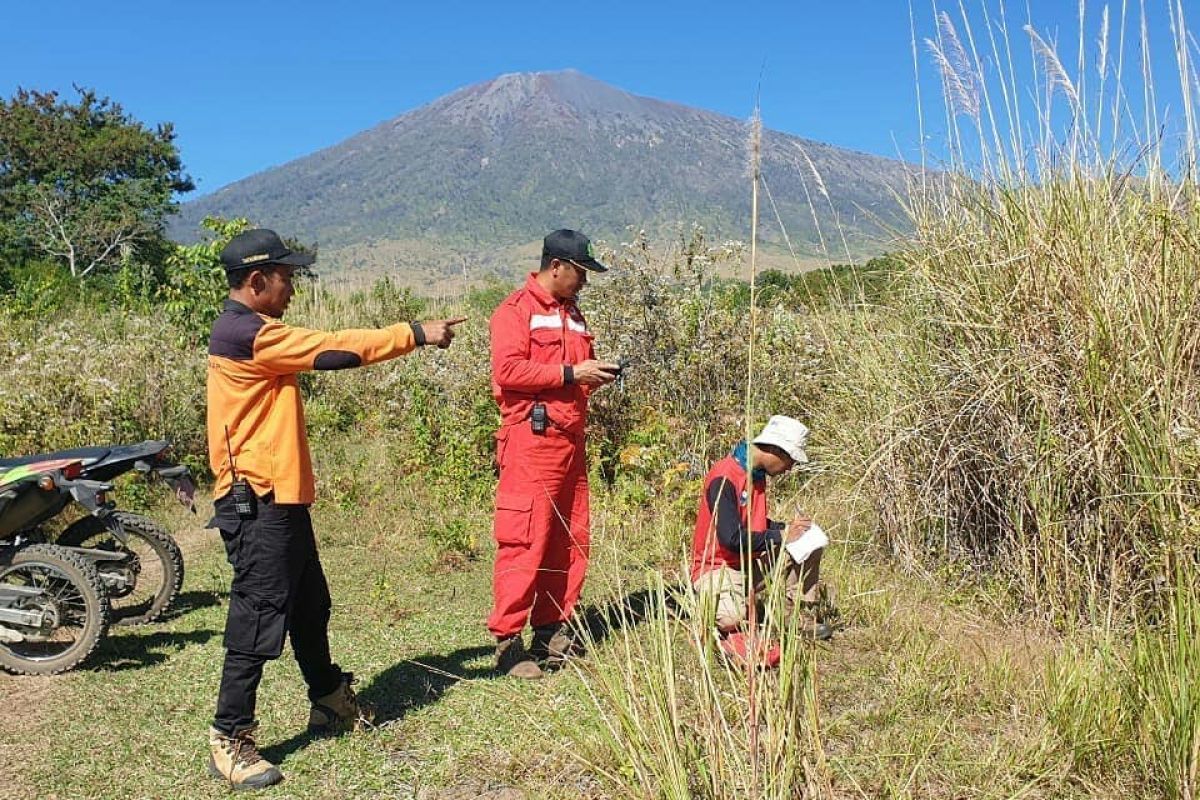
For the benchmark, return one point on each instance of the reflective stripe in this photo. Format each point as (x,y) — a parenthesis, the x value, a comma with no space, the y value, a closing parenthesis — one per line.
(545,321)
(576,326)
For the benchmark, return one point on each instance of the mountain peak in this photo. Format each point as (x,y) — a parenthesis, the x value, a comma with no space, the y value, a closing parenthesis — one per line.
(525,96)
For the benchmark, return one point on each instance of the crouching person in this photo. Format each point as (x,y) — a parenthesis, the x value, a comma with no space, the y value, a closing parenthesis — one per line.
(734,542)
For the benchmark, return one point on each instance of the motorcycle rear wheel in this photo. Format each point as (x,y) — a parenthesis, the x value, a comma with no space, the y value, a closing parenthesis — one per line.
(76,606)
(157,564)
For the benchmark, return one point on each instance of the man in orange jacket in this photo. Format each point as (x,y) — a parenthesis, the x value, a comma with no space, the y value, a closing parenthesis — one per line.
(543,369)
(258,451)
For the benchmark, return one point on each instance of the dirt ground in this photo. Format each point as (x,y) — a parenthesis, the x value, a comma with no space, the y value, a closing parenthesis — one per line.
(20,699)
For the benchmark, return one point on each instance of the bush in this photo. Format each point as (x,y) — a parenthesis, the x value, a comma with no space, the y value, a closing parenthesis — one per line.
(683,397)
(1034,381)
(94,378)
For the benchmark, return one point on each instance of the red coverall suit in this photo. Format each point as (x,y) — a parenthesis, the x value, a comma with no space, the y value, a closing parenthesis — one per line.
(541,521)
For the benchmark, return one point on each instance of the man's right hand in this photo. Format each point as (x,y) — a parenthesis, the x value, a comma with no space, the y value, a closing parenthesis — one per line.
(441,332)
(594,373)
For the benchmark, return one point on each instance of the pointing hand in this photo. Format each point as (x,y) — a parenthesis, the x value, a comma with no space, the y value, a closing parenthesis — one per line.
(441,332)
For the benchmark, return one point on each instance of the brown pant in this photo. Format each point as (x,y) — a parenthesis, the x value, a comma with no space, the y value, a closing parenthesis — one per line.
(726,587)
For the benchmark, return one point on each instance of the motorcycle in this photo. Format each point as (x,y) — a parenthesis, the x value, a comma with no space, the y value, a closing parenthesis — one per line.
(142,586)
(53,607)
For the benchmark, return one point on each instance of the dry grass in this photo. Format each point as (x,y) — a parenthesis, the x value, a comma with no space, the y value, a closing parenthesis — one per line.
(1036,384)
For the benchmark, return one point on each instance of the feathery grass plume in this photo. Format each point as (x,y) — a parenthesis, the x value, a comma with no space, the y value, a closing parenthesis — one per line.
(1187,77)
(1149,101)
(1102,46)
(812,208)
(1101,71)
(755,143)
(958,75)
(828,199)
(1056,75)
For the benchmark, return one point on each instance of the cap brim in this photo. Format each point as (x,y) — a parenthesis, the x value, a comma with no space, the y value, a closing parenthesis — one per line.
(296,260)
(290,260)
(797,454)
(592,265)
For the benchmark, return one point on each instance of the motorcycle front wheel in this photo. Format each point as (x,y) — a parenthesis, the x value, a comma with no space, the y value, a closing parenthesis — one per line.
(70,601)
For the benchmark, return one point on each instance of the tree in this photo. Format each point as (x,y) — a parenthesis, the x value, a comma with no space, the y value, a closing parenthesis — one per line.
(194,284)
(84,182)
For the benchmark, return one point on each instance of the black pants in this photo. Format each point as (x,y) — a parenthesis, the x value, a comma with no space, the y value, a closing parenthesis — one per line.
(278,588)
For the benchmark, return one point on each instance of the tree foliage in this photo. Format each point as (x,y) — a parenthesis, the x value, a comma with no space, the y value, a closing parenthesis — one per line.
(84,183)
(194,283)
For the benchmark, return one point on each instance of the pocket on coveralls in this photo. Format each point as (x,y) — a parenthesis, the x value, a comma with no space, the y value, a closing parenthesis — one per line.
(513,512)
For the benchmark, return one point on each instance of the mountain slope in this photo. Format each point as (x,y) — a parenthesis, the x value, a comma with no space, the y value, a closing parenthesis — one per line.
(497,164)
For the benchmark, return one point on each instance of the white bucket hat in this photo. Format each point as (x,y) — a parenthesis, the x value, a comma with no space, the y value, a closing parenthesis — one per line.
(788,434)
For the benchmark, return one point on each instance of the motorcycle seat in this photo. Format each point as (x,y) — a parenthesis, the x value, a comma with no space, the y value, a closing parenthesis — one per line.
(84,455)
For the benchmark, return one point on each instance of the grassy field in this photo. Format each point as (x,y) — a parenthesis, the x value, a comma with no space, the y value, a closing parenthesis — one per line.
(923,692)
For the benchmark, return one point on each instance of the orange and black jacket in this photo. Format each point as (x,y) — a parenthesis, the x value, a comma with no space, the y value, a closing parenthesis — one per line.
(253,394)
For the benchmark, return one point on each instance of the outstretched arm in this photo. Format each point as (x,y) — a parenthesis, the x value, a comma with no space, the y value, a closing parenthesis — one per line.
(284,349)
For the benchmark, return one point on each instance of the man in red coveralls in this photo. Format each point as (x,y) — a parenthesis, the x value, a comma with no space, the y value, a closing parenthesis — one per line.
(543,369)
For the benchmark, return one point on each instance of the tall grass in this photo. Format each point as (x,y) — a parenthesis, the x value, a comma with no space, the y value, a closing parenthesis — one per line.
(678,718)
(1135,709)
(1037,382)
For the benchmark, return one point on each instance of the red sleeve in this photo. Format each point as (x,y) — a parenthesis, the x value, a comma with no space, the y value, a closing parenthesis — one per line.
(587,390)
(511,367)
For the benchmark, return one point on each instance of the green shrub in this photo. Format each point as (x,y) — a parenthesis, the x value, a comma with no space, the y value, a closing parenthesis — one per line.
(97,377)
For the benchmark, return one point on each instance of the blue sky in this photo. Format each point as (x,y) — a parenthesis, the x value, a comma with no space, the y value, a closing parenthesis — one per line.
(254,84)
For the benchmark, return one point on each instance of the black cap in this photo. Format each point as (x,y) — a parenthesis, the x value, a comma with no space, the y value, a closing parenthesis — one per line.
(573,246)
(259,247)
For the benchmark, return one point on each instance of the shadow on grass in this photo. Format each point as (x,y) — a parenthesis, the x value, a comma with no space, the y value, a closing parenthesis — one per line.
(603,620)
(403,687)
(125,648)
(418,682)
(187,602)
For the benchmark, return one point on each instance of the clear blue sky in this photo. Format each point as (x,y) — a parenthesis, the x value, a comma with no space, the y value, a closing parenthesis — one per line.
(253,84)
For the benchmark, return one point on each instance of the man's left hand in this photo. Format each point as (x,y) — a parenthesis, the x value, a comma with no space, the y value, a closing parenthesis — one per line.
(798,527)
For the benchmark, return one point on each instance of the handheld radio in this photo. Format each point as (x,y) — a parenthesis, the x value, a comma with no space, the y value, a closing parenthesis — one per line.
(538,419)
(245,501)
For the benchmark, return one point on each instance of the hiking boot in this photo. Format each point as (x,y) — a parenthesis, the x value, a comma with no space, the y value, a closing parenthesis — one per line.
(811,629)
(553,645)
(746,650)
(339,711)
(235,759)
(810,624)
(513,660)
